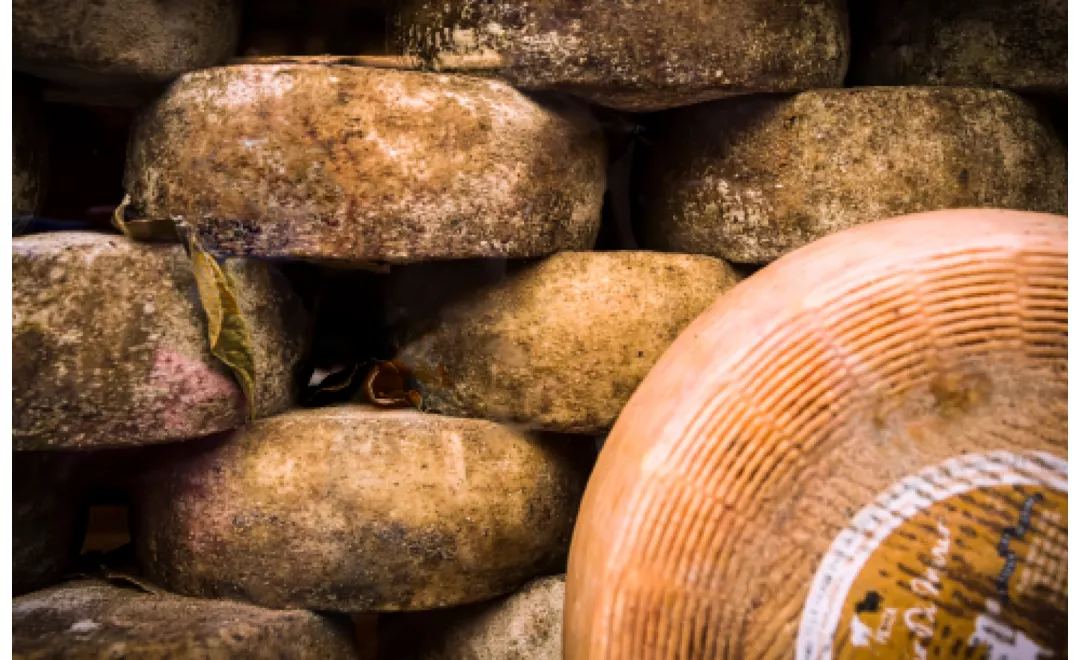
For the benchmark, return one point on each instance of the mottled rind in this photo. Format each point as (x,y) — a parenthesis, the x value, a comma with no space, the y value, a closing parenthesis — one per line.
(526,625)
(752,179)
(110,346)
(29,149)
(1016,44)
(92,619)
(358,509)
(117,42)
(641,57)
(558,345)
(343,162)
(45,510)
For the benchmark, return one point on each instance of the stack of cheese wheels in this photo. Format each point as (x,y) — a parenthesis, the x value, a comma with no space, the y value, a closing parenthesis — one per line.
(646,57)
(861,449)
(349,163)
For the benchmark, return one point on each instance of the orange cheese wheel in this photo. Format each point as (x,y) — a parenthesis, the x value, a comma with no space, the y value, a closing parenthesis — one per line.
(861,451)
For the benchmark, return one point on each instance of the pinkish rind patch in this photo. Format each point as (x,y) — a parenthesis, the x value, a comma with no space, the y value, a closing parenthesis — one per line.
(190,385)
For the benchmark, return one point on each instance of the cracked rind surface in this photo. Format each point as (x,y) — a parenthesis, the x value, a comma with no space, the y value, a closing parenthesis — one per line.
(29,148)
(358,509)
(526,625)
(89,618)
(45,509)
(558,345)
(642,58)
(110,344)
(751,179)
(344,162)
(1015,44)
(100,43)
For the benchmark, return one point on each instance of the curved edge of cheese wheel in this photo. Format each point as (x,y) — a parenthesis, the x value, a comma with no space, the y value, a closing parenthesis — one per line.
(112,346)
(524,624)
(660,55)
(743,178)
(559,344)
(368,164)
(357,509)
(118,43)
(766,383)
(90,618)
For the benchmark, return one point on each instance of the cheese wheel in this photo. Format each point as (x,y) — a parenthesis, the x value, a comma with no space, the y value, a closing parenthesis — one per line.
(358,509)
(557,345)
(29,152)
(1016,44)
(641,57)
(95,619)
(751,179)
(45,519)
(110,345)
(860,450)
(349,163)
(525,624)
(119,42)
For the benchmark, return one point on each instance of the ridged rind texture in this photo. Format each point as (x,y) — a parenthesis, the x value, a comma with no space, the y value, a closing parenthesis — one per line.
(116,42)
(558,345)
(93,619)
(358,509)
(110,344)
(751,179)
(792,403)
(343,162)
(643,57)
(1015,44)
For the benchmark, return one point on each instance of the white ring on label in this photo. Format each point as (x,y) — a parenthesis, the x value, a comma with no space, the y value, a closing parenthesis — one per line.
(870,526)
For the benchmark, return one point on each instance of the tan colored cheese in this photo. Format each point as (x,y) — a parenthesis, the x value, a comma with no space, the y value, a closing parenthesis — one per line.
(110,346)
(92,619)
(640,57)
(558,345)
(344,162)
(117,42)
(524,625)
(1016,44)
(358,509)
(751,179)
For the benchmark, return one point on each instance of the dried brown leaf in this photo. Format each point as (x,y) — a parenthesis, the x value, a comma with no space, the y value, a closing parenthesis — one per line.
(230,340)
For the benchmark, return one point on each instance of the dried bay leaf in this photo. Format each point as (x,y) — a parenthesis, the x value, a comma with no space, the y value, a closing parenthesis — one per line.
(143,230)
(230,340)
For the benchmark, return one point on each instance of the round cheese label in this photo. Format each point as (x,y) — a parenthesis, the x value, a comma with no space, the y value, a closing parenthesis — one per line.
(965,559)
